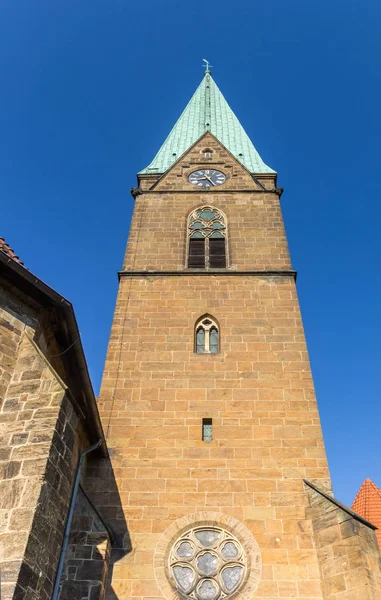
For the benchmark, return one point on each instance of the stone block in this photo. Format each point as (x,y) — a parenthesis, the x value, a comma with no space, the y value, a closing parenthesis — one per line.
(28,577)
(96,592)
(91,570)
(10,492)
(9,570)
(12,545)
(21,519)
(75,589)
(9,469)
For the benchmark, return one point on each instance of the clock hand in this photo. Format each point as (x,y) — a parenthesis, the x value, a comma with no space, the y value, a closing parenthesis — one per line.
(208,178)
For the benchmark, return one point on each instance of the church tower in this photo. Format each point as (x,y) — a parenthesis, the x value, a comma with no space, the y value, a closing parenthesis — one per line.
(207,398)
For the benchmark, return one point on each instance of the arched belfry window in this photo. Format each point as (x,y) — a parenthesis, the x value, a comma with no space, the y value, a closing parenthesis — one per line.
(207,336)
(207,239)
(207,153)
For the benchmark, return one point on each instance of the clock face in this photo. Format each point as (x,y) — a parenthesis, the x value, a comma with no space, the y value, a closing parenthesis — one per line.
(206,178)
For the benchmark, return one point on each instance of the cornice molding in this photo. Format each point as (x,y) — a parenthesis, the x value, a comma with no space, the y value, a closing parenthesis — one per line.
(276,191)
(203,272)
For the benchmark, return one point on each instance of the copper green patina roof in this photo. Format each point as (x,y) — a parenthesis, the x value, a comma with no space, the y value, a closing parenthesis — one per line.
(208,111)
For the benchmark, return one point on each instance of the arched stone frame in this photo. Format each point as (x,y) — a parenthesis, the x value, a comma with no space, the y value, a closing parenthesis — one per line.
(211,229)
(210,324)
(213,520)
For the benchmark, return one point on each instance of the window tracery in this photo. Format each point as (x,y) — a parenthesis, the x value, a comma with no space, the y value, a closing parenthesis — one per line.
(206,336)
(207,239)
(207,563)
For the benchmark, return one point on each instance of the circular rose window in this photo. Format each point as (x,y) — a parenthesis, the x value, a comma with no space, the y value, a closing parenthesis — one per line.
(207,563)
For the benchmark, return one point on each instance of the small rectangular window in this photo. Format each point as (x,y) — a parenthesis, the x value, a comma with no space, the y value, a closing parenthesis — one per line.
(207,431)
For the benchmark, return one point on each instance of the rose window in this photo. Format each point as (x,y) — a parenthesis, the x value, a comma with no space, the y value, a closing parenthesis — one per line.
(207,563)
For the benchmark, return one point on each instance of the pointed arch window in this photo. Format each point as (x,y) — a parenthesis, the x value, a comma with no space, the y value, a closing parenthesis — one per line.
(207,239)
(207,336)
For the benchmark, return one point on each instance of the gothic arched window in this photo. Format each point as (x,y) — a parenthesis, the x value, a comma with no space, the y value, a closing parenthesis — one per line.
(206,336)
(207,239)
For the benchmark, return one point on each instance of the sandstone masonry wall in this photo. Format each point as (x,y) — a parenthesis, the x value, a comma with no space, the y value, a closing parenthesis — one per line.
(158,235)
(37,477)
(348,552)
(40,441)
(258,390)
(266,429)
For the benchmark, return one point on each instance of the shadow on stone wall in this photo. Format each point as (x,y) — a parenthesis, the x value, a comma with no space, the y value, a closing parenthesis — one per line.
(99,535)
(114,542)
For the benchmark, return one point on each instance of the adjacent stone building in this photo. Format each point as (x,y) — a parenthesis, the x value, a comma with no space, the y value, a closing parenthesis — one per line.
(211,479)
(48,422)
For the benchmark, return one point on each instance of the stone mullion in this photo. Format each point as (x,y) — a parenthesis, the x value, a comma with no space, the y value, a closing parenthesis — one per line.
(206,252)
(207,345)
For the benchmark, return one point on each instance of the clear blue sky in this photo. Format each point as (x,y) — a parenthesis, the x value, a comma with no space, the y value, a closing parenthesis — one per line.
(90,89)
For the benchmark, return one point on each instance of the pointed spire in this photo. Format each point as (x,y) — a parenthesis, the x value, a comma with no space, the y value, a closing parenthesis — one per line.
(207,110)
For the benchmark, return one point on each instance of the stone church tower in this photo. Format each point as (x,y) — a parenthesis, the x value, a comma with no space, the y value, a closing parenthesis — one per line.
(207,399)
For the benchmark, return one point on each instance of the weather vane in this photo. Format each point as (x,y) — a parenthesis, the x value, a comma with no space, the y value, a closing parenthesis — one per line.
(207,65)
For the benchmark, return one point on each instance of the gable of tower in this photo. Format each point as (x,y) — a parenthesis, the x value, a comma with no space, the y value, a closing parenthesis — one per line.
(208,152)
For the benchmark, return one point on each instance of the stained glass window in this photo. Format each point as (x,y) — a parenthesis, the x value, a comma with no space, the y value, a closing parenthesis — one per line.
(207,336)
(208,226)
(207,214)
(207,537)
(185,577)
(231,576)
(207,563)
(230,550)
(207,590)
(217,225)
(197,225)
(200,341)
(185,550)
(213,340)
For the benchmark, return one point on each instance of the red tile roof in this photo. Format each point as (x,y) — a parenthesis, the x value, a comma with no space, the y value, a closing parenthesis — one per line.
(368,505)
(8,251)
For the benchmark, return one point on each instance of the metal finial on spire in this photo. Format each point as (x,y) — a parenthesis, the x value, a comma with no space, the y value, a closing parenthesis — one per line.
(207,66)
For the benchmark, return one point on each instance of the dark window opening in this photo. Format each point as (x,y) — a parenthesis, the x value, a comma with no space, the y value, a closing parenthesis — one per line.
(217,254)
(196,258)
(207,239)
(207,430)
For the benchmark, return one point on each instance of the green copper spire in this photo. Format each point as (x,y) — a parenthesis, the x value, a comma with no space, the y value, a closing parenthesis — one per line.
(207,111)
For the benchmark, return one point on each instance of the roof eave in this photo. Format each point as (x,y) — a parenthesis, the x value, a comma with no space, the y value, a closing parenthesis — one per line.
(343,507)
(158,176)
(40,292)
